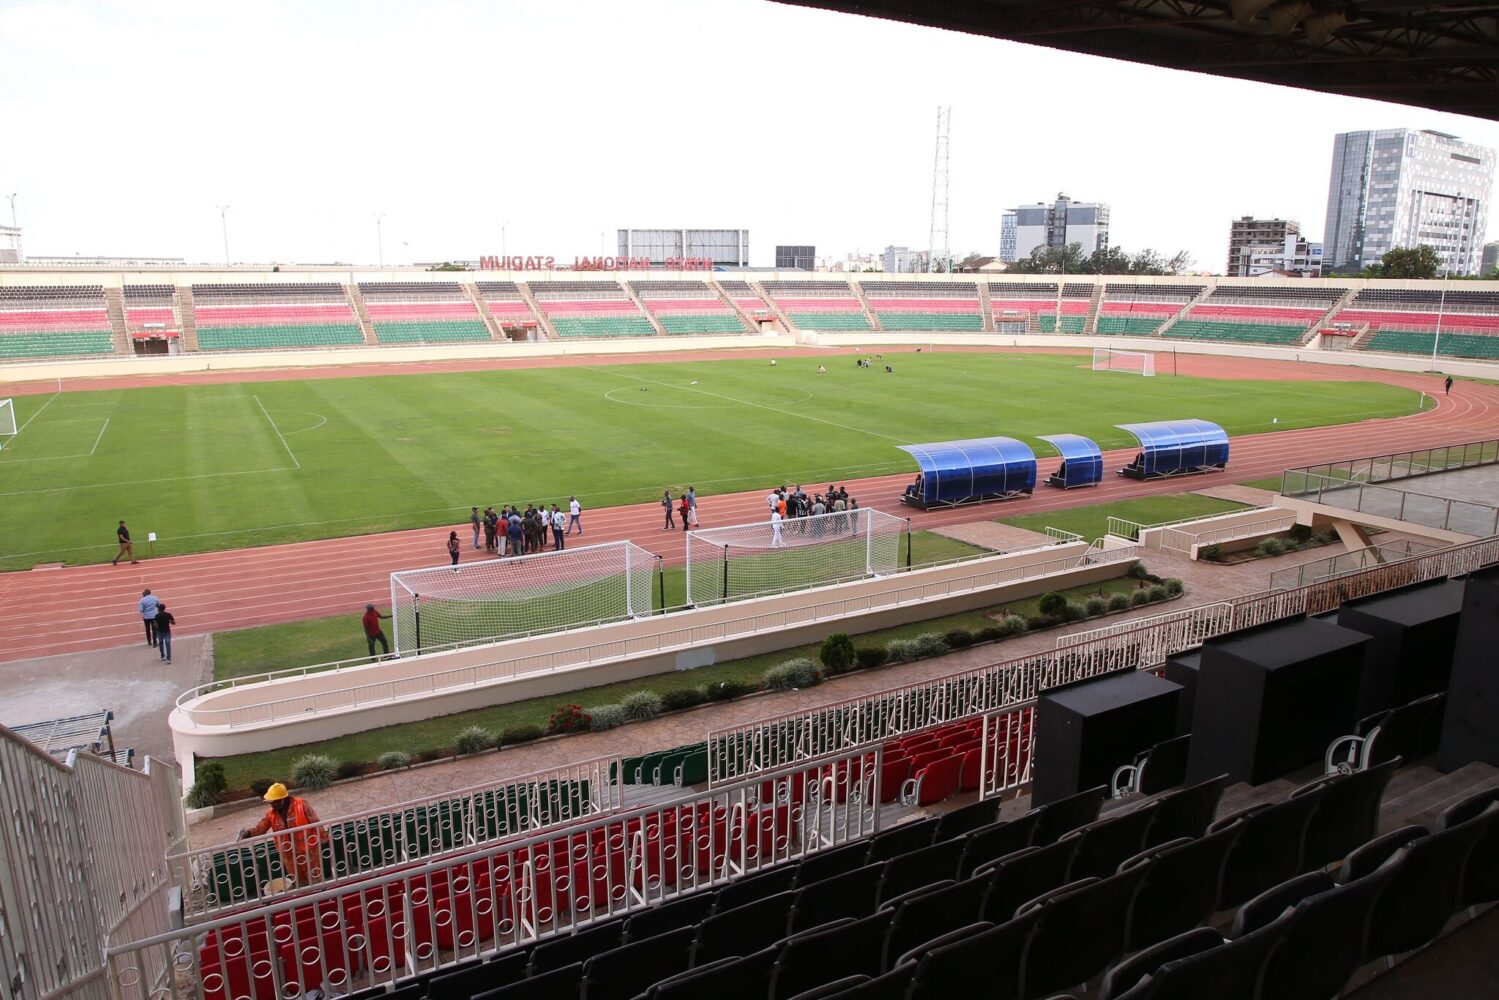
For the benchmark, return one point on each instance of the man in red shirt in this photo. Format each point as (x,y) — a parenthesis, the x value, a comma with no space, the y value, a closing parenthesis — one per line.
(373,633)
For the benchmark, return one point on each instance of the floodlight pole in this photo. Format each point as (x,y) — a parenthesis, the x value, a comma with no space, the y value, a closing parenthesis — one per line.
(380,238)
(1441,309)
(223,225)
(13,223)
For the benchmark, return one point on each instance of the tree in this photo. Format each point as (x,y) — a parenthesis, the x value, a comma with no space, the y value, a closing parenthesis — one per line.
(1419,262)
(447,266)
(1051,260)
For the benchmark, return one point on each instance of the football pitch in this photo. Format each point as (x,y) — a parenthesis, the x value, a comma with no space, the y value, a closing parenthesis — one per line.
(232,465)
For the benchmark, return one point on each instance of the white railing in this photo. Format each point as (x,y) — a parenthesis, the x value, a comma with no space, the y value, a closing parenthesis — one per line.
(1464,516)
(1124,528)
(227,876)
(1005,760)
(384,692)
(1173,630)
(1348,562)
(435,916)
(1063,536)
(1182,541)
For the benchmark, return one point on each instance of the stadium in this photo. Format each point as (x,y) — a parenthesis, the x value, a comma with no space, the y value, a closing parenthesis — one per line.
(839,634)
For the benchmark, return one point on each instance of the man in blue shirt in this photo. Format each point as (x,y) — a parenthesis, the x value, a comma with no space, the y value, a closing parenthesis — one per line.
(148,607)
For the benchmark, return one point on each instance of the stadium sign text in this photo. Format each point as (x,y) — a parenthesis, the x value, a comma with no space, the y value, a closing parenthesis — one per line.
(525,263)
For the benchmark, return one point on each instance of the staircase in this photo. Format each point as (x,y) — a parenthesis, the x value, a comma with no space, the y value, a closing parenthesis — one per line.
(1361,339)
(114,304)
(1343,302)
(985,309)
(490,323)
(775,309)
(548,332)
(366,326)
(732,306)
(1095,305)
(655,323)
(874,321)
(187,315)
(1160,331)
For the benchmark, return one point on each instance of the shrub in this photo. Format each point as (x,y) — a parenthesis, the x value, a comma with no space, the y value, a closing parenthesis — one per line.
(519,734)
(798,673)
(1039,623)
(931,644)
(313,772)
(1074,612)
(837,653)
(568,719)
(958,638)
(1119,602)
(675,701)
(1174,587)
(423,756)
(351,768)
(1139,572)
(1301,533)
(1270,547)
(602,717)
(641,705)
(1052,605)
(1211,553)
(724,690)
(472,739)
(989,633)
(1157,593)
(210,784)
(1138,598)
(1012,625)
(392,760)
(1096,606)
(259,785)
(867,657)
(900,650)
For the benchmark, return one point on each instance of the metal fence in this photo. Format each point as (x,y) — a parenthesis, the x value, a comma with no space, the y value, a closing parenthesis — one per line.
(432,917)
(1182,541)
(360,844)
(1463,516)
(1384,468)
(1005,759)
(1348,562)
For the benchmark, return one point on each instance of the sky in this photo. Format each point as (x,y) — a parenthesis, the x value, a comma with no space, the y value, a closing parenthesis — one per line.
(542,127)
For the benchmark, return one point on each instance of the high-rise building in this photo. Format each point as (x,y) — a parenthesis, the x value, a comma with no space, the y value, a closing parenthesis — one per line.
(1056,225)
(799,258)
(1007,238)
(904,260)
(1271,246)
(10,245)
(1401,188)
(1490,262)
(725,247)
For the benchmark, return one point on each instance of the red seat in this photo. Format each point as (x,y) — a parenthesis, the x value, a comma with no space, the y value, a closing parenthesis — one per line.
(971,773)
(934,782)
(893,774)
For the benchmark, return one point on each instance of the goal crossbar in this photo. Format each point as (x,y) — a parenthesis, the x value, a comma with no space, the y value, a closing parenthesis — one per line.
(1110,359)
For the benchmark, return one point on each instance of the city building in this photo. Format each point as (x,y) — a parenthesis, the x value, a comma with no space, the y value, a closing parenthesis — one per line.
(10,245)
(796,258)
(852,263)
(725,247)
(1007,238)
(1402,188)
(1490,262)
(904,260)
(1271,246)
(1055,225)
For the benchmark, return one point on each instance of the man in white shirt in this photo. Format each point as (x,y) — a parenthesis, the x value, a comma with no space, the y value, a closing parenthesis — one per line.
(574,515)
(775,530)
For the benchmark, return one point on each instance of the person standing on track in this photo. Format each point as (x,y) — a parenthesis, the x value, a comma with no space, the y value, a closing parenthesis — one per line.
(574,515)
(775,530)
(473,519)
(686,511)
(164,622)
(149,604)
(1448,385)
(557,517)
(453,549)
(514,532)
(127,550)
(666,506)
(692,503)
(373,633)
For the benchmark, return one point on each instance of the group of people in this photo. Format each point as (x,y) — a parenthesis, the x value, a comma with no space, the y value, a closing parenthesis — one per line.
(158,621)
(511,531)
(686,505)
(790,504)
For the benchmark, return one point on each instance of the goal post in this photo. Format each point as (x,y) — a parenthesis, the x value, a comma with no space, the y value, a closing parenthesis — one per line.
(494,599)
(765,557)
(7,420)
(1109,359)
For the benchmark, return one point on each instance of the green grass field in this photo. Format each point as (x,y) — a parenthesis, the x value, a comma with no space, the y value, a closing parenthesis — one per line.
(224,466)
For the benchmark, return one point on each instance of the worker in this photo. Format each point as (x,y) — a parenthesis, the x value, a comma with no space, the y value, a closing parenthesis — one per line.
(301,849)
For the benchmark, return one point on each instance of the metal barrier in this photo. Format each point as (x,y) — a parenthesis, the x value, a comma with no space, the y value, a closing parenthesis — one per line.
(1463,516)
(1124,528)
(1399,465)
(1063,536)
(1347,562)
(435,916)
(1005,760)
(1172,631)
(228,876)
(1182,541)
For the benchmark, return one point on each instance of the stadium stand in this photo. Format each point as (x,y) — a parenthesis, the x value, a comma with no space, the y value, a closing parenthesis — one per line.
(819,305)
(506,304)
(1405,321)
(1018,302)
(1075,305)
(590,309)
(1141,310)
(687,307)
(259,316)
(746,299)
(44,321)
(411,312)
(151,309)
(920,305)
(1268,315)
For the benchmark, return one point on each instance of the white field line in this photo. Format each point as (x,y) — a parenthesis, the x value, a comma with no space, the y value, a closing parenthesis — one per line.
(293,454)
(99,438)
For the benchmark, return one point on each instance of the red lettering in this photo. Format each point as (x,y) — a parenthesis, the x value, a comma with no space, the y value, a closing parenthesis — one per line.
(551,263)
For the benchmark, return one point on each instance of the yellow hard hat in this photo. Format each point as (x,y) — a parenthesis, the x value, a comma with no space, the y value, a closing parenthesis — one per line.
(276,793)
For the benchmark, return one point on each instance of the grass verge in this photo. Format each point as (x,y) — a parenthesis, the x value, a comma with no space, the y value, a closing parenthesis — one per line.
(1092,521)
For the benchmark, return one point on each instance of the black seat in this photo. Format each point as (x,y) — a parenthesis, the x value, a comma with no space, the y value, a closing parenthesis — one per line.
(1066,815)
(1181,888)
(834,861)
(923,866)
(1411,731)
(687,911)
(1122,977)
(922,916)
(1349,813)
(723,979)
(900,839)
(852,894)
(891,986)
(753,887)
(1186,812)
(989,843)
(1269,848)
(1426,889)
(562,984)
(744,929)
(989,963)
(1164,766)
(967,819)
(850,948)
(481,977)
(1481,878)
(1105,843)
(1274,901)
(896,901)
(580,946)
(1231,971)
(913,956)
(621,973)
(827,991)
(1024,876)
(1082,927)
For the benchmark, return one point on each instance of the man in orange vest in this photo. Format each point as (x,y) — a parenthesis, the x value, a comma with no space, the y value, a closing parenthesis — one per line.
(300,849)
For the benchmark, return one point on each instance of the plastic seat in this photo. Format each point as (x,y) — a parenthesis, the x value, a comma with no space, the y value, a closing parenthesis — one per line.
(891,986)
(580,946)
(989,963)
(1124,976)
(622,972)
(853,947)
(743,929)
(899,839)
(1181,889)
(752,887)
(1066,815)
(966,819)
(1269,848)
(1018,878)
(933,782)
(835,989)
(731,978)
(1481,877)
(1348,815)
(919,867)
(686,911)
(1231,971)
(1186,812)
(852,894)
(1410,731)
(992,842)
(920,916)
(560,984)
(1106,843)
(1081,928)
(825,864)
(480,977)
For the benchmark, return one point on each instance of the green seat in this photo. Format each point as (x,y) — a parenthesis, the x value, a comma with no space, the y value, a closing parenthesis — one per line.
(249,338)
(435,332)
(56,343)
(721,322)
(1140,326)
(851,320)
(1070,324)
(695,767)
(1451,345)
(603,326)
(1246,333)
(934,321)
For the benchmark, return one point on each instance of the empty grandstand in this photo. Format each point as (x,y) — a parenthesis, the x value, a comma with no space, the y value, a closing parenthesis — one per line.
(747,300)
(687,307)
(1074,307)
(819,305)
(43,321)
(923,305)
(234,317)
(413,312)
(1141,309)
(508,306)
(590,309)
(1407,320)
(152,312)
(1018,306)
(1250,315)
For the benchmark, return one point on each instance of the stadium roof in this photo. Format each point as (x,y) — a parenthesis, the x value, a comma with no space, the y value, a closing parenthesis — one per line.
(1439,56)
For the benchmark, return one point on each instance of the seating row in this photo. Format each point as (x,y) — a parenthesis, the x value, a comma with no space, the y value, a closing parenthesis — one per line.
(1249,333)
(1069,324)
(602,326)
(241,338)
(1453,345)
(58,344)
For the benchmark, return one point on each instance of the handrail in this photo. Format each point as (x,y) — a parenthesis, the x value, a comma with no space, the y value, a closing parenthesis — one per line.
(1181,540)
(1124,524)
(1397,465)
(1433,511)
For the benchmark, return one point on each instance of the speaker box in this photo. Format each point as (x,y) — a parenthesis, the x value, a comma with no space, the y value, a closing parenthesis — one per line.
(1084,730)
(1470,728)
(1270,699)
(1415,633)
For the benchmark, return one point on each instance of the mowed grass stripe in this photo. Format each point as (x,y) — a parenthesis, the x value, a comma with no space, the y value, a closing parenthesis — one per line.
(203,467)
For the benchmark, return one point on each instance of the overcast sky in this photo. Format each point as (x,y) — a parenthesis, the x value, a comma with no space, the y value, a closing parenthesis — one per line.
(124,123)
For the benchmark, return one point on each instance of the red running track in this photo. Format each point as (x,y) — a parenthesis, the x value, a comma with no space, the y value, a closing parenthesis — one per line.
(93,607)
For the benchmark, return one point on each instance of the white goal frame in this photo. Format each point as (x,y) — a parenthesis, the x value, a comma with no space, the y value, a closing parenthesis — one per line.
(1108,359)
(7,421)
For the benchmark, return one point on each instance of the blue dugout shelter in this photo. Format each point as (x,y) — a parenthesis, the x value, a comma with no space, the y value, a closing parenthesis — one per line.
(1176,448)
(1082,461)
(954,472)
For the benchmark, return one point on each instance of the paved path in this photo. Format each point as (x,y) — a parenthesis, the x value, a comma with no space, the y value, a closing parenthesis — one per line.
(92,607)
(996,536)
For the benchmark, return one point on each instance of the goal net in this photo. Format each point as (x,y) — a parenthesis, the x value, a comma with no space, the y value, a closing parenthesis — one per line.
(1107,359)
(733,563)
(496,599)
(7,420)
